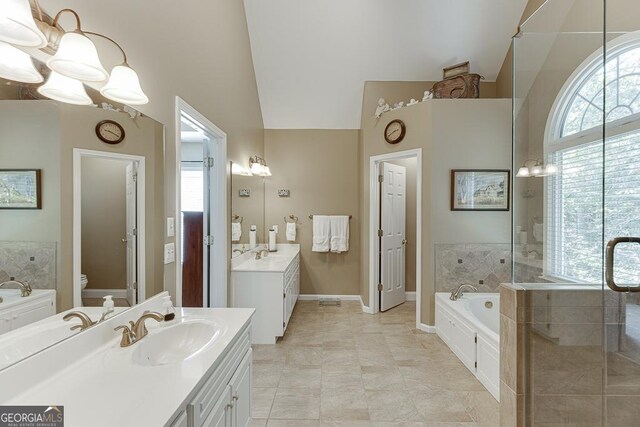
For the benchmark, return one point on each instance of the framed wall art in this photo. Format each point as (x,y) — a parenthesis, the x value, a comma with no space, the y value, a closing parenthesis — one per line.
(20,189)
(480,189)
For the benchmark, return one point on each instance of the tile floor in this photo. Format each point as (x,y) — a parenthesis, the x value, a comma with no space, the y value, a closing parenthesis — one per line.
(337,366)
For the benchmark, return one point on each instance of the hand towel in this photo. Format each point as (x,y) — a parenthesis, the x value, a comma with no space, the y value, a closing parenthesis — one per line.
(291,231)
(236,231)
(538,231)
(339,233)
(321,233)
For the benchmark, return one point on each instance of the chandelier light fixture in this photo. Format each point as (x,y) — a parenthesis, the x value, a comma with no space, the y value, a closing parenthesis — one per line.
(76,60)
(534,168)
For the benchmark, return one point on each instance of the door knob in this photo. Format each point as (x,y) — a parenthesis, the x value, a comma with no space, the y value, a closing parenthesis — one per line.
(125,240)
(404,241)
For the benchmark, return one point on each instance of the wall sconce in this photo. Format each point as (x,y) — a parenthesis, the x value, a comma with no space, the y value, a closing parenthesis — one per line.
(258,166)
(534,168)
(76,57)
(236,169)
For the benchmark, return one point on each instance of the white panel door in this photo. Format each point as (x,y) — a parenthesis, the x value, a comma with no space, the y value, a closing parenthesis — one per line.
(131,238)
(392,245)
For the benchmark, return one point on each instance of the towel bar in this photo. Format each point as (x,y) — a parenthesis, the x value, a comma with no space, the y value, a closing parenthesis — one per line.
(237,218)
(293,218)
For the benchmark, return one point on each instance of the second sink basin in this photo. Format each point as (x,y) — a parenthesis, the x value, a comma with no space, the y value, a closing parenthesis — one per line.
(174,344)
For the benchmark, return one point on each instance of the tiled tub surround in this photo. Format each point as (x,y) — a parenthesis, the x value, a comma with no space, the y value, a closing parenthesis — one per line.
(33,262)
(483,265)
(337,366)
(553,359)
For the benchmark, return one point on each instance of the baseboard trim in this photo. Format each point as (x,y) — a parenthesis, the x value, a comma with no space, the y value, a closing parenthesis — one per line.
(101,293)
(365,308)
(427,328)
(315,297)
(410,296)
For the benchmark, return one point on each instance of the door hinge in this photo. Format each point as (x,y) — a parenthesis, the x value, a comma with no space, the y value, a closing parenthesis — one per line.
(380,233)
(475,339)
(283,324)
(208,240)
(476,364)
(135,286)
(134,232)
(284,295)
(379,286)
(380,178)
(208,162)
(135,177)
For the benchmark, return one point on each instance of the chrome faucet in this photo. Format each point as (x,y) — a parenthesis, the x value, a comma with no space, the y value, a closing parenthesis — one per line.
(260,252)
(84,318)
(137,331)
(458,292)
(25,288)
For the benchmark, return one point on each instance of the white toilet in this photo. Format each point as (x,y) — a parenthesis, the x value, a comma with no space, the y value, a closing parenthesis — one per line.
(84,280)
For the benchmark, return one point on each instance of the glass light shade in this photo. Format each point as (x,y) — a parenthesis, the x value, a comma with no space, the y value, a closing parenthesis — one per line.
(77,58)
(257,169)
(124,86)
(551,169)
(523,172)
(236,169)
(536,170)
(266,172)
(17,25)
(65,89)
(17,65)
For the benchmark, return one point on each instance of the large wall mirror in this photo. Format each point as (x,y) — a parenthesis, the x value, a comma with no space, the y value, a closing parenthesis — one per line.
(80,218)
(247,211)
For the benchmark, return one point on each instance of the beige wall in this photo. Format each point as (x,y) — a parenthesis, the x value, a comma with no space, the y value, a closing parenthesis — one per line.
(320,167)
(214,73)
(452,134)
(251,208)
(410,224)
(104,223)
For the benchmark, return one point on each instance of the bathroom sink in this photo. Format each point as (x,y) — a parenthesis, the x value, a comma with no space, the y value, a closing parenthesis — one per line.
(174,344)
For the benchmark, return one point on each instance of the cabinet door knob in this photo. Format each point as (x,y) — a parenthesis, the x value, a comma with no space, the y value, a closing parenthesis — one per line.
(236,397)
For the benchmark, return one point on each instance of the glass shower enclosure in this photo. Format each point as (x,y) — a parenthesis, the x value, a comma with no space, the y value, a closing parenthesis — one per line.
(576,214)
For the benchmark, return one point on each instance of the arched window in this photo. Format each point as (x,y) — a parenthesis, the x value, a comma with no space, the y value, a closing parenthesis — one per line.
(598,179)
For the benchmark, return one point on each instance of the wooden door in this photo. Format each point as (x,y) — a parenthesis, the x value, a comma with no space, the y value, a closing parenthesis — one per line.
(192,259)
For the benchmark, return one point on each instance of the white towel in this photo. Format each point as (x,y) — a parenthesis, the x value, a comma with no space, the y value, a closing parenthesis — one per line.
(291,231)
(538,231)
(236,231)
(321,233)
(339,233)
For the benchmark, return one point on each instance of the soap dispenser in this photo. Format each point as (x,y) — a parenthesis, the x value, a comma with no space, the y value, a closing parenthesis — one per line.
(107,307)
(168,310)
(252,236)
(272,239)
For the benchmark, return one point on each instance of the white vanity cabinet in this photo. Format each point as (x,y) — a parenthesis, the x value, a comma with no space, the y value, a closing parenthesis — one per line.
(272,293)
(458,336)
(20,312)
(224,399)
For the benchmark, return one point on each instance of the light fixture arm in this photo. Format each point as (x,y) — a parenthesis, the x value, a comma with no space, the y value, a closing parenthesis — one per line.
(78,24)
(112,41)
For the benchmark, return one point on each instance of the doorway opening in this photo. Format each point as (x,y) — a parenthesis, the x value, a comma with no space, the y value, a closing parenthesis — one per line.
(201,249)
(108,252)
(395,230)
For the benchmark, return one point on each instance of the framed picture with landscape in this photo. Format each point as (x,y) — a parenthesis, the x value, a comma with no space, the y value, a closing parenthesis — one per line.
(20,189)
(480,189)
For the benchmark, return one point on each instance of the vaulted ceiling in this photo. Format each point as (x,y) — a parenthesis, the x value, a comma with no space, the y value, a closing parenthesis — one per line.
(311,57)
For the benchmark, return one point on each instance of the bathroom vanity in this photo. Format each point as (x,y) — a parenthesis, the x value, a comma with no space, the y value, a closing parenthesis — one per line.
(190,372)
(17,311)
(269,284)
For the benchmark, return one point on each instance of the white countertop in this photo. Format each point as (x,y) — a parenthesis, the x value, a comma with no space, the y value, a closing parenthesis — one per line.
(274,262)
(12,297)
(104,387)
(27,340)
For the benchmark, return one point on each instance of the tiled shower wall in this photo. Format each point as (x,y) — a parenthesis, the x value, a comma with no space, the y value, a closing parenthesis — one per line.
(32,262)
(483,265)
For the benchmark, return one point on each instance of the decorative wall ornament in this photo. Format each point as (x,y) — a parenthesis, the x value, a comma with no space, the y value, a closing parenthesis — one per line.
(382,108)
(412,102)
(398,105)
(428,94)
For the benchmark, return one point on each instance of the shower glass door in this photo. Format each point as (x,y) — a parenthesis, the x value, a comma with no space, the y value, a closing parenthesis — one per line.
(576,70)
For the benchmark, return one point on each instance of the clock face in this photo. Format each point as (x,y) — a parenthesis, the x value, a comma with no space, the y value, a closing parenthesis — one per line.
(395,131)
(110,132)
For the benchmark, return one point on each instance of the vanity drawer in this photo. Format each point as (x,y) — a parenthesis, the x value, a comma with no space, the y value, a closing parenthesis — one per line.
(212,389)
(291,270)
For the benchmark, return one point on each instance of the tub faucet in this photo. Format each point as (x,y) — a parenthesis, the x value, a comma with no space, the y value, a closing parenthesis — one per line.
(458,292)
(25,288)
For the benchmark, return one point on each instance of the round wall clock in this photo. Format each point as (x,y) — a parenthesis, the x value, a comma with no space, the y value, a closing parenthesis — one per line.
(110,132)
(395,131)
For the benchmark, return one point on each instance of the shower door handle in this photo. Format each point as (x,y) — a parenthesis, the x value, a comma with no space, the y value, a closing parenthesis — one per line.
(609,273)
